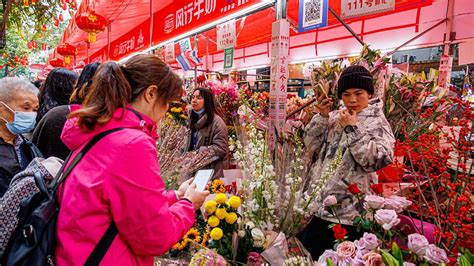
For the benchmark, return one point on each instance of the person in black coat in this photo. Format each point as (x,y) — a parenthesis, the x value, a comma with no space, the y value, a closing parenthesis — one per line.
(18,106)
(47,134)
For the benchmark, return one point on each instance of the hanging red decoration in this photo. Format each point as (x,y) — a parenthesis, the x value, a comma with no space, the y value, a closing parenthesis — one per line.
(67,1)
(64,6)
(25,3)
(56,22)
(44,28)
(33,2)
(17,59)
(56,62)
(30,45)
(74,5)
(92,23)
(61,18)
(43,46)
(67,50)
(34,44)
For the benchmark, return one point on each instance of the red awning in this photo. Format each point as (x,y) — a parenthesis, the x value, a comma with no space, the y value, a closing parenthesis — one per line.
(130,26)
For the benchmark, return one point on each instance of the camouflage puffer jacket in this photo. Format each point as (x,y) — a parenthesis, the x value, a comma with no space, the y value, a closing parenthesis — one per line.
(367,149)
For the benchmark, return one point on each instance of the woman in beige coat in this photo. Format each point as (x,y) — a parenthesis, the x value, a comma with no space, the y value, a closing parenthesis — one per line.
(208,131)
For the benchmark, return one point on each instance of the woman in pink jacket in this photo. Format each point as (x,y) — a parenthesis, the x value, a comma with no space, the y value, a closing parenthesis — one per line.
(119,178)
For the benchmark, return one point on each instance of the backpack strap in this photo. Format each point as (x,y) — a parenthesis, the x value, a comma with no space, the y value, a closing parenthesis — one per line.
(101,248)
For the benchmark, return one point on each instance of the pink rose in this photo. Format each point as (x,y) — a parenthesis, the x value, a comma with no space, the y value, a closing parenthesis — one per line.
(373,259)
(373,202)
(397,203)
(328,254)
(330,201)
(346,250)
(368,242)
(436,255)
(417,244)
(387,218)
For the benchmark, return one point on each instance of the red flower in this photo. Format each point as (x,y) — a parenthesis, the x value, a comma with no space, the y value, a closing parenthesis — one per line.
(354,189)
(377,188)
(339,232)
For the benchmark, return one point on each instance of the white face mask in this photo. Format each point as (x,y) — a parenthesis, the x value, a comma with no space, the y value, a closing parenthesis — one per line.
(23,122)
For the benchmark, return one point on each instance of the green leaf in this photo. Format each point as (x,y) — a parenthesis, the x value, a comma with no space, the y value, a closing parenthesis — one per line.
(365,224)
(397,253)
(388,259)
(329,262)
(465,261)
(357,220)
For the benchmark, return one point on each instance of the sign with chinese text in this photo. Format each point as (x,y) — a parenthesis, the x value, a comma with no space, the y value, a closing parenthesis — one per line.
(356,8)
(228,58)
(180,17)
(312,14)
(133,41)
(445,67)
(169,53)
(278,78)
(226,35)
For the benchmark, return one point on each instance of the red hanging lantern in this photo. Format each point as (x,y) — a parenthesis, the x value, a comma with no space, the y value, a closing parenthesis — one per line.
(56,22)
(43,46)
(30,45)
(34,44)
(64,6)
(33,2)
(92,23)
(56,62)
(25,3)
(74,5)
(67,50)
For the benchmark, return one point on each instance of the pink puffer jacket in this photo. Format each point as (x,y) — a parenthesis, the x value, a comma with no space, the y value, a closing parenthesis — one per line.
(118,179)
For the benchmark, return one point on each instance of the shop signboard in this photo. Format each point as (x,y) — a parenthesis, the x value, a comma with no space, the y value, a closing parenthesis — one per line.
(278,78)
(180,17)
(312,14)
(228,58)
(357,8)
(133,41)
(226,35)
(169,53)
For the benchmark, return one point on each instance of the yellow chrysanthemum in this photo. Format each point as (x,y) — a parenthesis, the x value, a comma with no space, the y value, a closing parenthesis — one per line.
(210,206)
(169,116)
(174,110)
(221,213)
(221,198)
(231,218)
(213,221)
(216,233)
(234,202)
(183,116)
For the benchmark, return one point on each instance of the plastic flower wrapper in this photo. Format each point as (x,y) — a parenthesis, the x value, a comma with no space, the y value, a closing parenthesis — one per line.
(206,257)
(199,234)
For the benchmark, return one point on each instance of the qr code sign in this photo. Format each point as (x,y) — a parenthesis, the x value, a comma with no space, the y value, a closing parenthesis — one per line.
(312,11)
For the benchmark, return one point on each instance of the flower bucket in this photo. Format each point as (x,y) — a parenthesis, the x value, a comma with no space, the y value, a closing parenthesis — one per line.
(410,226)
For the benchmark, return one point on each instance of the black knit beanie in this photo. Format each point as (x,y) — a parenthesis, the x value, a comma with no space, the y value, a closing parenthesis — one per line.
(355,77)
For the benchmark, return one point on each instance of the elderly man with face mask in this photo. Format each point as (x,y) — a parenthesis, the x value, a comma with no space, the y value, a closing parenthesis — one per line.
(18,106)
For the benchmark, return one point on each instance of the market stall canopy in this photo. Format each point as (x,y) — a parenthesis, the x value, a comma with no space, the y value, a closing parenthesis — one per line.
(131,22)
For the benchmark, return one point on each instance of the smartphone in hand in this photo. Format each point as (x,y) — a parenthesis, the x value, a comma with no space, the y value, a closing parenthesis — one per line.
(202,178)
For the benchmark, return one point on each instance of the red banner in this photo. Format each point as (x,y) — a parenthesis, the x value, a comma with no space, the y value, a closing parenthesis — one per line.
(183,16)
(135,40)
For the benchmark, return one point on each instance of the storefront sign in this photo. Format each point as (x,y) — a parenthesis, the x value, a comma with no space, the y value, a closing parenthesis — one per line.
(357,8)
(278,77)
(445,67)
(312,14)
(228,58)
(183,16)
(226,35)
(169,53)
(133,41)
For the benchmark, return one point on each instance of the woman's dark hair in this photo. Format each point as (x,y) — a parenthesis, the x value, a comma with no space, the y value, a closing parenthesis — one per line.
(56,90)
(209,107)
(115,86)
(84,83)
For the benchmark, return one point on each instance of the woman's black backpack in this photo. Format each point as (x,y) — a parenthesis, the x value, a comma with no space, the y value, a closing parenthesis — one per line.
(33,241)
